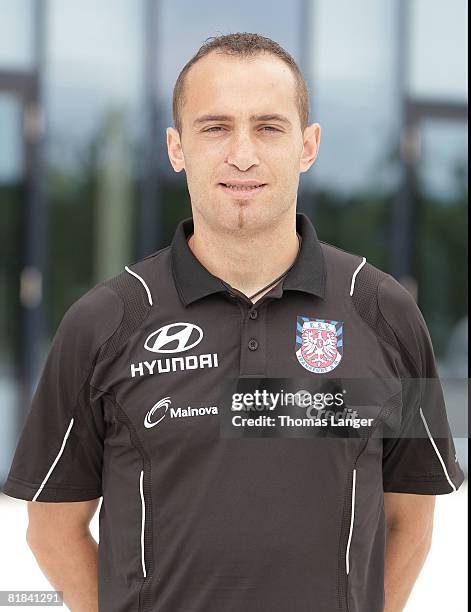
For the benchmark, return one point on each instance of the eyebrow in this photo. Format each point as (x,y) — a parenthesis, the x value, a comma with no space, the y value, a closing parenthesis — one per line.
(270,117)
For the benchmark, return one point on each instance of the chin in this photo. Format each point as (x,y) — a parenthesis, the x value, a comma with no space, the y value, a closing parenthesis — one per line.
(237,215)
(245,216)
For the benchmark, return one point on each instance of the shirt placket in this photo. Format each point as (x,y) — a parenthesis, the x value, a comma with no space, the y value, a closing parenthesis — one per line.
(253,341)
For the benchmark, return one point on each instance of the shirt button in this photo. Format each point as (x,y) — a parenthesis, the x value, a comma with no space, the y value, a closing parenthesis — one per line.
(253,344)
(253,314)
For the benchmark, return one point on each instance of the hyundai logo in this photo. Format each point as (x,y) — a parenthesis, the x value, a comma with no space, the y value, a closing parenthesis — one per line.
(174,338)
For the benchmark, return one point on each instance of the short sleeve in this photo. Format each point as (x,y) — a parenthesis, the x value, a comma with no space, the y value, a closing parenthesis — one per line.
(59,455)
(421,459)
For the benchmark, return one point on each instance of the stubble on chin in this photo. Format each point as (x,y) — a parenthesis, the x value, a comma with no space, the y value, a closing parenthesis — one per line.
(242,214)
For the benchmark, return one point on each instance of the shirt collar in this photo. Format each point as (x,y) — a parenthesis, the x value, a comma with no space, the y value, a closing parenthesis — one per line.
(194,281)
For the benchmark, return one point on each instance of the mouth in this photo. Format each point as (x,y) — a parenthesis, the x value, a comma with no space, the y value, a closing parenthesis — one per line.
(243,191)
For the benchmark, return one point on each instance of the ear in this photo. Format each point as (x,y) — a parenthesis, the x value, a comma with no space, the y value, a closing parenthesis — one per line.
(311,143)
(174,149)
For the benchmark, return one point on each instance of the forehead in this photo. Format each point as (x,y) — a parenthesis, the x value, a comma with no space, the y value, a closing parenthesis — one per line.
(230,84)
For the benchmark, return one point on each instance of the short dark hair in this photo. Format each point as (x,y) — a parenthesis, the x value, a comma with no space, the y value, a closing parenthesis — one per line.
(242,44)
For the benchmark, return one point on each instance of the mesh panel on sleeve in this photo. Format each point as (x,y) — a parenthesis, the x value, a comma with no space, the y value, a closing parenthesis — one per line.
(136,308)
(365,300)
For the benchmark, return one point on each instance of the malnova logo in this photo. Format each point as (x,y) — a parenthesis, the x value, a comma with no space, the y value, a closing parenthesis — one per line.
(159,411)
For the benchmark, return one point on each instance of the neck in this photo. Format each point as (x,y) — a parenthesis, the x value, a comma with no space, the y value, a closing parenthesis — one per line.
(247,262)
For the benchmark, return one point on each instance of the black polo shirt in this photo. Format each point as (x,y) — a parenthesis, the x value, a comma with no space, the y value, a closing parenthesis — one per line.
(206,509)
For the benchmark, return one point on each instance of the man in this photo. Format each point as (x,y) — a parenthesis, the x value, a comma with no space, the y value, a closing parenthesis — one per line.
(198,514)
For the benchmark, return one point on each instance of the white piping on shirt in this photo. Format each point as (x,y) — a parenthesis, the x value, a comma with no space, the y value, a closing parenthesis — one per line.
(142,281)
(437,451)
(143,523)
(55,460)
(352,519)
(352,286)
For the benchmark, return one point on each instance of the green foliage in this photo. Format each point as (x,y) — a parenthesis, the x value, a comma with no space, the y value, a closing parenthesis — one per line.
(69,271)
(357,224)
(441,262)
(10,229)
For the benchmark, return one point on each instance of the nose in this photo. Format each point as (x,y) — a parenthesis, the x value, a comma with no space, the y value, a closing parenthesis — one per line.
(242,151)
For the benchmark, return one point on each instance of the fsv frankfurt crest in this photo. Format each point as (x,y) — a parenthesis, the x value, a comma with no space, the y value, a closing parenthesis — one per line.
(319,344)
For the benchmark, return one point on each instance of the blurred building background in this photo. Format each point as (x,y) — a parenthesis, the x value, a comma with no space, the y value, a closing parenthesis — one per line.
(86,186)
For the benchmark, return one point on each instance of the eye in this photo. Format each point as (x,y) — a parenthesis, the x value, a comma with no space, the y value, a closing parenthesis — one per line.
(218,128)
